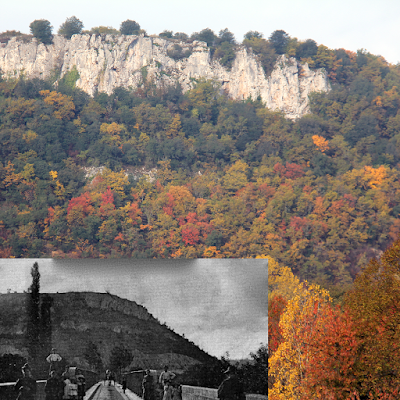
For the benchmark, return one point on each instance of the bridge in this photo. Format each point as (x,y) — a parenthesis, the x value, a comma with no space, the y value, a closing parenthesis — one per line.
(101,390)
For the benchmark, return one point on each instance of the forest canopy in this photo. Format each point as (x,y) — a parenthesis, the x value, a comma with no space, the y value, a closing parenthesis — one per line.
(159,173)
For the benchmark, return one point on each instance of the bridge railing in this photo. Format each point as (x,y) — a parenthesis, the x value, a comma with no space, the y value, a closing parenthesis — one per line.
(203,393)
(7,391)
(134,383)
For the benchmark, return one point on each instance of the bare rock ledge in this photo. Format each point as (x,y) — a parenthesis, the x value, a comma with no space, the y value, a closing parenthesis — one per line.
(106,62)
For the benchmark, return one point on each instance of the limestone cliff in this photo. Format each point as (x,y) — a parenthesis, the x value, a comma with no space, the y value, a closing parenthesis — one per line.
(106,62)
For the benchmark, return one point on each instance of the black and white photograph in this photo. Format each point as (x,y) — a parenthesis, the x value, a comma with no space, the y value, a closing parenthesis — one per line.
(119,318)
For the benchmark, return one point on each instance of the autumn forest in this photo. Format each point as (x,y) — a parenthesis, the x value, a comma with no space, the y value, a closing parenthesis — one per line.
(161,174)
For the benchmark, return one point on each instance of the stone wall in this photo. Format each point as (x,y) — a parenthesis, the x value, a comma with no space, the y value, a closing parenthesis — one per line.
(201,393)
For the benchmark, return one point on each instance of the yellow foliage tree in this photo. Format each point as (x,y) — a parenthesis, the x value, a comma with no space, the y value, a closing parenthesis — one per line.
(112,133)
(59,189)
(174,128)
(235,177)
(212,252)
(108,178)
(321,143)
(281,280)
(63,105)
(287,363)
(29,136)
(11,178)
(28,173)
(375,176)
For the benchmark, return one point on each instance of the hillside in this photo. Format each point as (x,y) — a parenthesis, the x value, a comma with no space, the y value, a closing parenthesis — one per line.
(105,320)
(173,172)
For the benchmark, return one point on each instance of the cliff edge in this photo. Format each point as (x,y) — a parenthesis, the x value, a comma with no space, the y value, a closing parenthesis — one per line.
(105,62)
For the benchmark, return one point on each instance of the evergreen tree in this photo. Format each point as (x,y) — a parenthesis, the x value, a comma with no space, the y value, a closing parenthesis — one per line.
(42,30)
(129,27)
(45,323)
(279,40)
(251,34)
(72,26)
(33,327)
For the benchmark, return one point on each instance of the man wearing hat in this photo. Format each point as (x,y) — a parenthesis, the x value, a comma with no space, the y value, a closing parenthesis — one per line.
(231,388)
(26,386)
(53,359)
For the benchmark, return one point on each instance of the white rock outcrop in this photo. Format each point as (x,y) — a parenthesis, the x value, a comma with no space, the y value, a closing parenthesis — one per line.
(106,62)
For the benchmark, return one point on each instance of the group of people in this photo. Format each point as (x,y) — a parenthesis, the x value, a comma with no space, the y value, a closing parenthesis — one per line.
(109,377)
(230,389)
(70,385)
(171,390)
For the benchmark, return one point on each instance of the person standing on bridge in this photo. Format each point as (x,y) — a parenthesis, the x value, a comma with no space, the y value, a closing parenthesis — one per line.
(147,386)
(53,359)
(81,385)
(54,388)
(26,386)
(124,382)
(231,388)
(166,378)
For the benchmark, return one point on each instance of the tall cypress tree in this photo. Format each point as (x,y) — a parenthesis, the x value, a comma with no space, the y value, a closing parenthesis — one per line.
(33,310)
(45,323)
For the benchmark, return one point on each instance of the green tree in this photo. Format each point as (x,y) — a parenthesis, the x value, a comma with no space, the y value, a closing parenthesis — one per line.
(279,40)
(206,35)
(129,27)
(165,33)
(226,54)
(264,50)
(71,26)
(226,36)
(103,30)
(307,49)
(251,34)
(181,36)
(41,29)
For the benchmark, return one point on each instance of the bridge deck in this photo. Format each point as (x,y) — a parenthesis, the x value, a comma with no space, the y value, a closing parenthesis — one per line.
(105,392)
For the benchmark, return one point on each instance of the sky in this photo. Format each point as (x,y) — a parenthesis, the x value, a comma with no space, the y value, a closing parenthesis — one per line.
(350,24)
(220,305)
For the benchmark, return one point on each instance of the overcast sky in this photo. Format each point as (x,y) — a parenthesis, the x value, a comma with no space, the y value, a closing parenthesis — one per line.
(221,305)
(350,24)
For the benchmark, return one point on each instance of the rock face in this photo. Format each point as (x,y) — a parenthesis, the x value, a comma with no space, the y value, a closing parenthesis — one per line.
(106,62)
